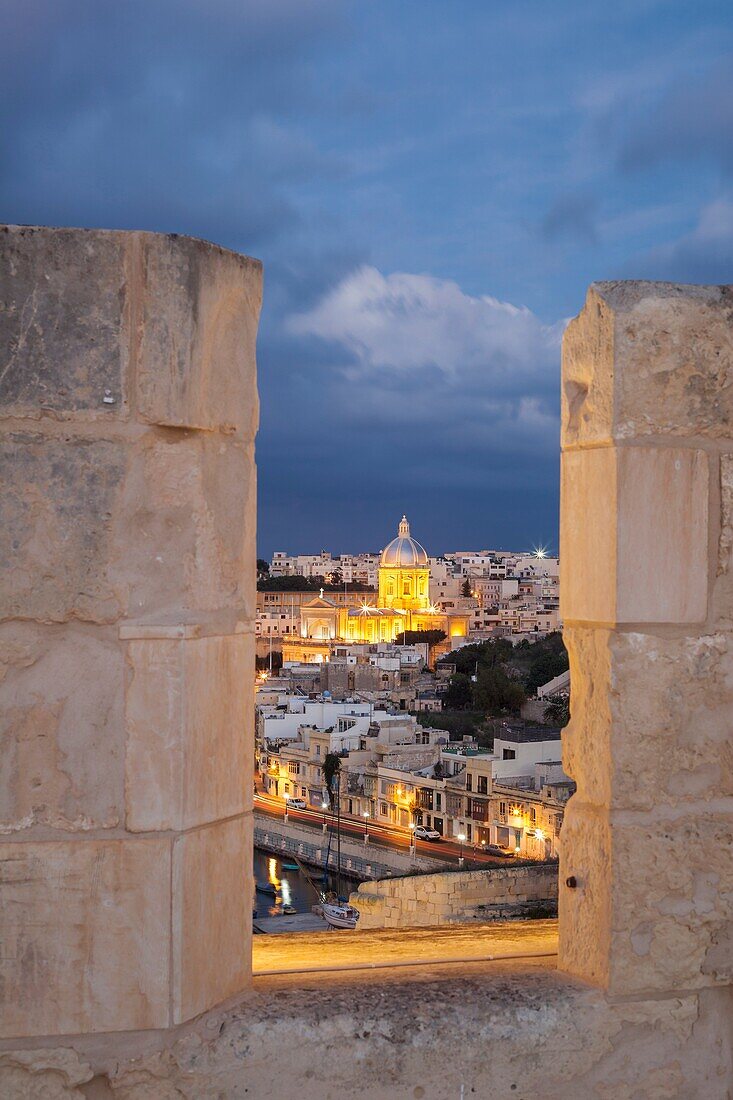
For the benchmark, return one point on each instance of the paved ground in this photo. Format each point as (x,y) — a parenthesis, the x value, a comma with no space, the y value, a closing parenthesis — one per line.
(296,922)
(357,951)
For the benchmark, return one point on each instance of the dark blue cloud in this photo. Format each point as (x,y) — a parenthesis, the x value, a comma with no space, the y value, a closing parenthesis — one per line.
(509,153)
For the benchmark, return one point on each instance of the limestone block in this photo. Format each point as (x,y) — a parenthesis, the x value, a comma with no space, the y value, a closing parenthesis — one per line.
(722,596)
(633,534)
(189,718)
(95,531)
(103,965)
(634,744)
(55,534)
(199,325)
(653,907)
(212,897)
(646,359)
(584,927)
(61,728)
(43,1075)
(84,307)
(672,921)
(62,326)
(185,526)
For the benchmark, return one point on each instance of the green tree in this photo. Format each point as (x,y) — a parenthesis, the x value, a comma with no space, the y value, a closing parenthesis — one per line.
(495,693)
(466,589)
(331,768)
(459,693)
(414,637)
(557,711)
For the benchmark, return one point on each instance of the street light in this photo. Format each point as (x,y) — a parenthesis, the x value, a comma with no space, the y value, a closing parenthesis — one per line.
(324,806)
(412,838)
(366,826)
(461,839)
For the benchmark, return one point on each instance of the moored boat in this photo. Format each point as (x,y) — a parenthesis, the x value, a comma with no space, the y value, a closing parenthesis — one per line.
(340,916)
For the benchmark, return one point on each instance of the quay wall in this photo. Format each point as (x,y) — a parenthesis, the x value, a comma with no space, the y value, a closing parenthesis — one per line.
(357,859)
(500,893)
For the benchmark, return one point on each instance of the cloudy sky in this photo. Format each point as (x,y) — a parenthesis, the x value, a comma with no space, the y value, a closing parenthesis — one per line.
(431,185)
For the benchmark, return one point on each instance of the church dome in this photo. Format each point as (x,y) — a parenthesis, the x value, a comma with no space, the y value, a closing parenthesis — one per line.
(404,551)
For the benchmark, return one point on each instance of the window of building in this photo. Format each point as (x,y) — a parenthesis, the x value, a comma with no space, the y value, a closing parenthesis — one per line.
(482,784)
(469,778)
(318,750)
(508,754)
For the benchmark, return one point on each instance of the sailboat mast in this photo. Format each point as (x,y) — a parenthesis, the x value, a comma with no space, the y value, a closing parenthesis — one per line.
(338,836)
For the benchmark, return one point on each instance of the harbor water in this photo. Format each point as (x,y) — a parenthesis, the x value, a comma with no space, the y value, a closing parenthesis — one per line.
(291,887)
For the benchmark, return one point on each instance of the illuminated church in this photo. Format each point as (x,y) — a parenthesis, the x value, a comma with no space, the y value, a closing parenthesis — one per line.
(403,602)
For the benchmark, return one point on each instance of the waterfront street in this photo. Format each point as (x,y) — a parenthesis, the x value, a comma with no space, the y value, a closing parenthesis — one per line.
(380,836)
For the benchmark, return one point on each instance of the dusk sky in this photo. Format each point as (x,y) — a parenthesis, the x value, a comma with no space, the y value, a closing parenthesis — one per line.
(431,187)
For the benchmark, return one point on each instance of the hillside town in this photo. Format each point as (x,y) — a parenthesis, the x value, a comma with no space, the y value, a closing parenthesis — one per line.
(436,687)
(307,604)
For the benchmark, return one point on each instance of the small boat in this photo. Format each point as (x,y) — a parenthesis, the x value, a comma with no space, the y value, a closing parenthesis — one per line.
(290,867)
(266,888)
(288,910)
(340,916)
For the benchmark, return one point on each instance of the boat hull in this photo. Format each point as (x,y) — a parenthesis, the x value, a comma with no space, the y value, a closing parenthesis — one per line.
(341,916)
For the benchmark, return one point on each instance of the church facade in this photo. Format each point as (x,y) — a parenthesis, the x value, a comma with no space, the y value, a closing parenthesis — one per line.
(403,603)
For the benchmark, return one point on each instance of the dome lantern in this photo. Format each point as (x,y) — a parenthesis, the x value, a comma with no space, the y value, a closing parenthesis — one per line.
(404,551)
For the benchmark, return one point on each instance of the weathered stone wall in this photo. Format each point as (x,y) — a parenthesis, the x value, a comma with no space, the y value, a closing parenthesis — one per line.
(128,409)
(647,505)
(647,601)
(458,896)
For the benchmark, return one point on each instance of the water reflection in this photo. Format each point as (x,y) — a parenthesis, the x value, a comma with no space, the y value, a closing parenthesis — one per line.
(285,887)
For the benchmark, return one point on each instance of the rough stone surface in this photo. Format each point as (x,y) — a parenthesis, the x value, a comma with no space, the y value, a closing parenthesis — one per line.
(525,1032)
(646,868)
(457,896)
(63,342)
(61,728)
(649,359)
(189,731)
(634,535)
(55,538)
(128,407)
(653,907)
(184,528)
(212,906)
(85,936)
(632,745)
(201,305)
(722,594)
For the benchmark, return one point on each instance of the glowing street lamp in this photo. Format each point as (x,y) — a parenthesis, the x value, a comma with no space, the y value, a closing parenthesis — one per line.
(366,826)
(412,838)
(461,839)
(324,806)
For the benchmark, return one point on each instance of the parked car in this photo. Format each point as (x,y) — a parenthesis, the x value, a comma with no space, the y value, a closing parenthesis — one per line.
(495,850)
(295,804)
(423,833)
